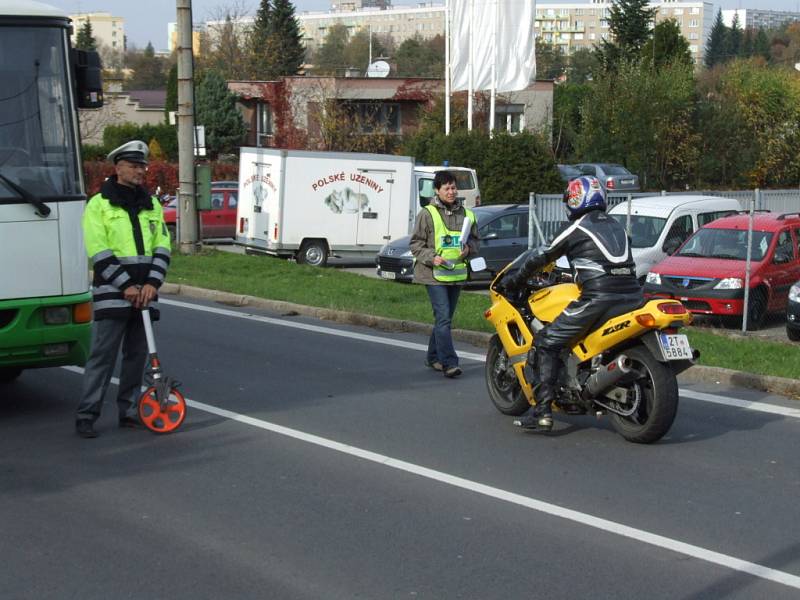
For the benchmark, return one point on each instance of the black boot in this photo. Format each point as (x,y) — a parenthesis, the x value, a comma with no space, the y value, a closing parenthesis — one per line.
(539,417)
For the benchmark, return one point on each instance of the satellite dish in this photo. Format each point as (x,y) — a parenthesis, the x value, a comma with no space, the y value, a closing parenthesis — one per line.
(380,68)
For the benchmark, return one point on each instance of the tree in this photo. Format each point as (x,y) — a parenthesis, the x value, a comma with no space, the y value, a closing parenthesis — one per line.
(761,44)
(583,66)
(717,47)
(287,50)
(748,43)
(85,38)
(735,38)
(550,61)
(216,110)
(331,55)
(629,23)
(568,98)
(148,70)
(259,41)
(356,53)
(666,46)
(420,58)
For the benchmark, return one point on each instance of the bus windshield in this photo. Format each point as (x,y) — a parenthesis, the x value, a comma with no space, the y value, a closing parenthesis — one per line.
(38,149)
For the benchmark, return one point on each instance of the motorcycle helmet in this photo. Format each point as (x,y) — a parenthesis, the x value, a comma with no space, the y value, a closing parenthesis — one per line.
(582,195)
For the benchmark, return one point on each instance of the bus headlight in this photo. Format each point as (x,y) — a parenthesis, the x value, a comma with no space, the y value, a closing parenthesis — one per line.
(57,315)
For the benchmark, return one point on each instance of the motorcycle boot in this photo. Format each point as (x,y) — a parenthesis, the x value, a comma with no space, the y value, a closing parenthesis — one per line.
(540,417)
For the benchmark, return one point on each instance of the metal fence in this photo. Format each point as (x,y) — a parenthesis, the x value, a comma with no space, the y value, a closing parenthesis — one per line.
(549,209)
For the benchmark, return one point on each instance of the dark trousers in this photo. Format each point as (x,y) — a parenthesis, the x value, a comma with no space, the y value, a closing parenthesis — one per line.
(578,318)
(444,299)
(107,336)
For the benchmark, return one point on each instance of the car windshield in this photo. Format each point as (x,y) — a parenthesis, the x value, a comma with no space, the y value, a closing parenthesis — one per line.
(645,230)
(615,170)
(730,244)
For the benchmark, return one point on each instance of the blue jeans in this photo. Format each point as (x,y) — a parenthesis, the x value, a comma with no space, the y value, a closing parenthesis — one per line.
(444,299)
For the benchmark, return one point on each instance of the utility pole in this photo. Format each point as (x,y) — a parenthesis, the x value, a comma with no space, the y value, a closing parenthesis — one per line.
(186,176)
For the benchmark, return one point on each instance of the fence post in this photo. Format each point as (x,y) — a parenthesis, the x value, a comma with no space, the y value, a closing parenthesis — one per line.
(753,202)
(531,209)
(628,223)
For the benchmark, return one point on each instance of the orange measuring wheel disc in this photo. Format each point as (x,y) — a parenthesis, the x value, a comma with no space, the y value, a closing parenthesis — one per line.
(161,420)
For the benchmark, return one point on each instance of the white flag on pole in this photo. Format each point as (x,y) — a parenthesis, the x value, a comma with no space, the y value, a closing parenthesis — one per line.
(509,24)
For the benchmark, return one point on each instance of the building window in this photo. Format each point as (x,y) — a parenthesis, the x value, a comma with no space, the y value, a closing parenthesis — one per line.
(510,117)
(693,23)
(375,117)
(693,35)
(263,124)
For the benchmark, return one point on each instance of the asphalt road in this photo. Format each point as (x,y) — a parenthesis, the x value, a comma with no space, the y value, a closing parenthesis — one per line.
(325,461)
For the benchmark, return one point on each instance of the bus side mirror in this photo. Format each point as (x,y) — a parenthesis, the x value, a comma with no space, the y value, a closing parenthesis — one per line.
(88,78)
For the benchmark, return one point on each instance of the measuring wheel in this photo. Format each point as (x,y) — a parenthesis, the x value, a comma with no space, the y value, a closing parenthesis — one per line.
(162,417)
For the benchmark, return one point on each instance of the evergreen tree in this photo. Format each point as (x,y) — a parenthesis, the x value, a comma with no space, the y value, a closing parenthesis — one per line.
(215,107)
(748,42)
(735,38)
(85,38)
(259,41)
(761,44)
(331,55)
(667,45)
(420,58)
(716,48)
(629,23)
(550,61)
(583,65)
(286,47)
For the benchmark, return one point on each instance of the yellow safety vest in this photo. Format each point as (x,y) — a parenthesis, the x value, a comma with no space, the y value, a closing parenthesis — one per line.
(448,246)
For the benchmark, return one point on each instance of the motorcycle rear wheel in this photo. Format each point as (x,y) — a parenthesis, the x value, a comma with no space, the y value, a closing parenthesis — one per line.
(504,391)
(658,402)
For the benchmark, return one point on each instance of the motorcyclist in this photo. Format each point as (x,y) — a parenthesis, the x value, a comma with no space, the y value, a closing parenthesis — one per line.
(598,249)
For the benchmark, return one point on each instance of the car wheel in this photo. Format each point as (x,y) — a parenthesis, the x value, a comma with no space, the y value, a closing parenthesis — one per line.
(793,333)
(757,309)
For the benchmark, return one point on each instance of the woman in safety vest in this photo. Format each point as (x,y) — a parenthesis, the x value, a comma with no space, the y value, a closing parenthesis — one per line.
(441,265)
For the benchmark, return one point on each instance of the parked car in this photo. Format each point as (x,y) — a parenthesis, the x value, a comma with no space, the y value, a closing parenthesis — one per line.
(503,229)
(568,172)
(708,272)
(793,311)
(660,224)
(220,221)
(613,177)
(466,183)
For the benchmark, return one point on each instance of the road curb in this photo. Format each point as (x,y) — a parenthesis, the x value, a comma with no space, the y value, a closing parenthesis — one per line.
(698,374)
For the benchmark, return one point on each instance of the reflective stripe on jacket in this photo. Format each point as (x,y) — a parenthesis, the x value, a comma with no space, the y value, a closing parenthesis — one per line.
(448,246)
(126,249)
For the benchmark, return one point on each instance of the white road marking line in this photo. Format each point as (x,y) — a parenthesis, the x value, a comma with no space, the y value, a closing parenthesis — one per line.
(701,396)
(640,535)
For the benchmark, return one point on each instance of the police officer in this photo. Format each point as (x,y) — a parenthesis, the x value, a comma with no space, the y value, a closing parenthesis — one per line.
(128,243)
(441,265)
(598,249)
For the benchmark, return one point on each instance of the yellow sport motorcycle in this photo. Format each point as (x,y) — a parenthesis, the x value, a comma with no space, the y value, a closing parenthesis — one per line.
(626,367)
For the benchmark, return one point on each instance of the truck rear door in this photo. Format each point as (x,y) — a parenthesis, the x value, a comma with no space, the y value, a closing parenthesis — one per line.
(373,219)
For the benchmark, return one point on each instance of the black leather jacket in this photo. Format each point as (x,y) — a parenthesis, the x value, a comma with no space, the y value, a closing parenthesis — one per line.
(598,250)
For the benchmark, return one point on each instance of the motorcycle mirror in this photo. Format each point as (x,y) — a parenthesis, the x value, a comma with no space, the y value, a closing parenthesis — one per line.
(477,264)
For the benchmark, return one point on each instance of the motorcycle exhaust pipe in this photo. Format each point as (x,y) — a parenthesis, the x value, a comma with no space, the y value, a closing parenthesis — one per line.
(607,376)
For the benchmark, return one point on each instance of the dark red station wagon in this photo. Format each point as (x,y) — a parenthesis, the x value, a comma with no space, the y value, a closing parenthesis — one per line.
(707,273)
(220,221)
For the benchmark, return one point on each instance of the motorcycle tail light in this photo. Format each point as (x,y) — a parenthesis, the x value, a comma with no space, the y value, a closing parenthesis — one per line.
(672,308)
(646,320)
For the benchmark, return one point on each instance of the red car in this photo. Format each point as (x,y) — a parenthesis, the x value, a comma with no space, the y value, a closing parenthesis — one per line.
(707,273)
(220,221)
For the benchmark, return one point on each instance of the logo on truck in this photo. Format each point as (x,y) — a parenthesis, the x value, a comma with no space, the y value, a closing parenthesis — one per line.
(344,199)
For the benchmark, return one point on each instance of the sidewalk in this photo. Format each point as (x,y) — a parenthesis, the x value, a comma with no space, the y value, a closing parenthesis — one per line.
(696,374)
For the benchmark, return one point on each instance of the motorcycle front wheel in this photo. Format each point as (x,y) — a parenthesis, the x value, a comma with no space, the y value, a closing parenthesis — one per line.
(504,389)
(656,390)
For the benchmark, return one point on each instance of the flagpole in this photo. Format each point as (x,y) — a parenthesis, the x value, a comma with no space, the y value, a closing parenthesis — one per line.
(471,83)
(493,95)
(447,71)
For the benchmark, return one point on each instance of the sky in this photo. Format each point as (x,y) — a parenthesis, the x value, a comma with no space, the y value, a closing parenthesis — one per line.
(146,20)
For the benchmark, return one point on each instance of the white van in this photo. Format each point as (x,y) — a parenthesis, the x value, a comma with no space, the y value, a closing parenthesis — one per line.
(466,182)
(660,224)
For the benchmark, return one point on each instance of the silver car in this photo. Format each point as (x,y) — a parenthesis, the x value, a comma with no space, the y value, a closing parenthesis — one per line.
(613,177)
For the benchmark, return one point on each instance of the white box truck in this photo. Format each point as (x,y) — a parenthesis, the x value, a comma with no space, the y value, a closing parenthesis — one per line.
(312,205)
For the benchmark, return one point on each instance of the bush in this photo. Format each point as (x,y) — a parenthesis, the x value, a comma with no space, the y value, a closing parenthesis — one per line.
(165,135)
(160,174)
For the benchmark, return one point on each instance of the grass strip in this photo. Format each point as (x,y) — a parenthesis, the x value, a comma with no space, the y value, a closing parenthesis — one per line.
(276,279)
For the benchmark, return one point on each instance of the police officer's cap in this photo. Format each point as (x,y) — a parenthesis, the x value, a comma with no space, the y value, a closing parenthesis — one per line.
(135,152)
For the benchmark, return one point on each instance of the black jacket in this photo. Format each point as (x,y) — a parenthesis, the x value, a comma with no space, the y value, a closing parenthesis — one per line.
(598,250)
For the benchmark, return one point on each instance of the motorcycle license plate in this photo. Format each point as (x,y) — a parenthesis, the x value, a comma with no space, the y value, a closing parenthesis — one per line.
(675,346)
(388,274)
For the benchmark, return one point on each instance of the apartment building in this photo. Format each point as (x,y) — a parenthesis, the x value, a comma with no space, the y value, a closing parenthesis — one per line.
(571,26)
(755,18)
(107,30)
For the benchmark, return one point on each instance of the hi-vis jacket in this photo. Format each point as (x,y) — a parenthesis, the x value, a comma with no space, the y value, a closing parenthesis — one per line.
(128,245)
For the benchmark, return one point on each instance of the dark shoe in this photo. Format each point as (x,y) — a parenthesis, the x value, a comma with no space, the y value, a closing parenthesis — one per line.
(435,365)
(538,417)
(130,423)
(452,372)
(85,428)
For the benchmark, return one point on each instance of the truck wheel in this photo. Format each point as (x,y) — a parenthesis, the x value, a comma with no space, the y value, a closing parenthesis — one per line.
(9,374)
(314,253)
